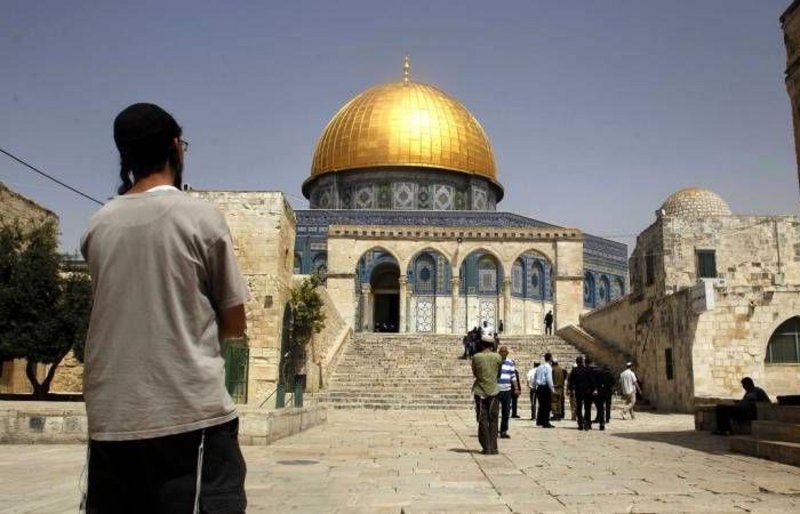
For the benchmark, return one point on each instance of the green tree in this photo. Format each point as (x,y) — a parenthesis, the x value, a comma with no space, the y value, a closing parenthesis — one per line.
(43,312)
(308,317)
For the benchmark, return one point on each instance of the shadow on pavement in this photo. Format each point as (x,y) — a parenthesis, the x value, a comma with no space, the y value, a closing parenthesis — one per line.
(692,439)
(463,450)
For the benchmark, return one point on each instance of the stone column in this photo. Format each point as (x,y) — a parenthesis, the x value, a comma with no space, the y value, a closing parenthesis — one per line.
(403,303)
(507,306)
(455,288)
(366,307)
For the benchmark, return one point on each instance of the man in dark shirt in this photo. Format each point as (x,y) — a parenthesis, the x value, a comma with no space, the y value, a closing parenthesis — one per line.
(743,410)
(581,382)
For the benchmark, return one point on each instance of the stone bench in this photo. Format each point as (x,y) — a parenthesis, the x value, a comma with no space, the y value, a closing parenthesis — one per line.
(705,419)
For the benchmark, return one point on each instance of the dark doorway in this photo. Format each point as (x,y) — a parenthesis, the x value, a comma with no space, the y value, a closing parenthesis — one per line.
(386,290)
(387,312)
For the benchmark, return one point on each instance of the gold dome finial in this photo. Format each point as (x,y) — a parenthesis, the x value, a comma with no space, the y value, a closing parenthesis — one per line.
(406,69)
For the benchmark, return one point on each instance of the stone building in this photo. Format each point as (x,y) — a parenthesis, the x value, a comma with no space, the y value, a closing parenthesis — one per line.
(404,224)
(16,208)
(403,193)
(714,297)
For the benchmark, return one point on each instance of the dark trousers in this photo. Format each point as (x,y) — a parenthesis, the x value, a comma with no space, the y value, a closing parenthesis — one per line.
(533,403)
(584,408)
(600,406)
(504,397)
(608,406)
(544,395)
(514,401)
(487,422)
(739,412)
(558,403)
(159,475)
(548,329)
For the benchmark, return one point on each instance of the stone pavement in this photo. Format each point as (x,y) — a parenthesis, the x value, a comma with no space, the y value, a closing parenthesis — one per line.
(426,461)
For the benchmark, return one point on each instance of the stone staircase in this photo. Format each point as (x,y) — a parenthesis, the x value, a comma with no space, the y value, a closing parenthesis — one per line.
(414,371)
(775,435)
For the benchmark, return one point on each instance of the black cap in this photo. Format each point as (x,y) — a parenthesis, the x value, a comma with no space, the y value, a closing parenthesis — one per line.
(144,124)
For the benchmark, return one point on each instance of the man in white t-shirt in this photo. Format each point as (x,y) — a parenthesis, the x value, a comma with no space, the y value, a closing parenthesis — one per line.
(630,386)
(532,388)
(168,293)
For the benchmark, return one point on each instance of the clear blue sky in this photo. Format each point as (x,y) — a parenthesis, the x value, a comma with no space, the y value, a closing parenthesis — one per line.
(597,110)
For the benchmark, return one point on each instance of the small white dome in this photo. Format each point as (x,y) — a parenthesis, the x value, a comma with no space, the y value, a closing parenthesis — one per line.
(695,202)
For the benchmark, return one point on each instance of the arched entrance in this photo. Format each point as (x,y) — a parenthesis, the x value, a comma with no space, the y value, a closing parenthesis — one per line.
(385,286)
(378,292)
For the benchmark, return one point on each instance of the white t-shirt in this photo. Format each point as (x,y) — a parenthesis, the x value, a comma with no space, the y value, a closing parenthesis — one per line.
(628,380)
(162,267)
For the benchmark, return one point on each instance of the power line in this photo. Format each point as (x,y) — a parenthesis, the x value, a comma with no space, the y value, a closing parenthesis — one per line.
(45,175)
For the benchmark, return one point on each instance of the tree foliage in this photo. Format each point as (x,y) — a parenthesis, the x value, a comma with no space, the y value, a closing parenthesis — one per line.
(308,316)
(43,312)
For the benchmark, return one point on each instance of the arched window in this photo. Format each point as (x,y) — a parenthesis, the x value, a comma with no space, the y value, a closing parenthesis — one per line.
(588,290)
(320,263)
(784,345)
(425,274)
(537,280)
(603,291)
(297,264)
(518,278)
(487,275)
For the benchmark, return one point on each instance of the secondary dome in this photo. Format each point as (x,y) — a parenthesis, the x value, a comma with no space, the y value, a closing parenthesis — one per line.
(695,202)
(404,124)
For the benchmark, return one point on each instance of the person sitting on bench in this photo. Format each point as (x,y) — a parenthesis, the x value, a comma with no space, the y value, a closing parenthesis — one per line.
(743,410)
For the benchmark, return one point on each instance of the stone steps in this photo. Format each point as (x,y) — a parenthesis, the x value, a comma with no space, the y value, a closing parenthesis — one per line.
(775,435)
(413,371)
(778,451)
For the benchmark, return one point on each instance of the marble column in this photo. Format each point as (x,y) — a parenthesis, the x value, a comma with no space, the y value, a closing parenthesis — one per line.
(507,325)
(366,308)
(402,325)
(455,288)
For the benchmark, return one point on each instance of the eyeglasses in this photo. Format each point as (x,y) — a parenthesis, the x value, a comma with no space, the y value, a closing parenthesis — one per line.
(184,144)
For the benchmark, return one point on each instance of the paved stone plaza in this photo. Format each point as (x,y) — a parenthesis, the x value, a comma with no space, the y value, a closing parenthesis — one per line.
(414,462)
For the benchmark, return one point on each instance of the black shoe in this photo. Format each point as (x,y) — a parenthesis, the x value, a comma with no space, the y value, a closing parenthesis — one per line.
(515,416)
(580,428)
(504,435)
(548,426)
(602,427)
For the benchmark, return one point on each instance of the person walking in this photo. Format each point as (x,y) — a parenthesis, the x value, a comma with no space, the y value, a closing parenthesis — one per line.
(509,386)
(559,381)
(168,295)
(604,385)
(581,383)
(544,391)
(486,368)
(630,387)
(548,323)
(531,378)
(515,395)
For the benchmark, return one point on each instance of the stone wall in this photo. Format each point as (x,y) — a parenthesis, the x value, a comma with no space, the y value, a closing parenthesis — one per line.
(758,270)
(263,228)
(731,342)
(325,345)
(65,422)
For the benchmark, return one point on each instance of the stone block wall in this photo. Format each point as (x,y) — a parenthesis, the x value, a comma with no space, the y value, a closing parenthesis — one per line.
(755,251)
(263,229)
(731,342)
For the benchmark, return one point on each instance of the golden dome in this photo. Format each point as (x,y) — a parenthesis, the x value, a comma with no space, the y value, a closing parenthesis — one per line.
(404,124)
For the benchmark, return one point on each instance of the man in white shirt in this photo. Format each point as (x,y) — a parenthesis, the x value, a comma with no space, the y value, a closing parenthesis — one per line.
(531,377)
(630,386)
(543,378)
